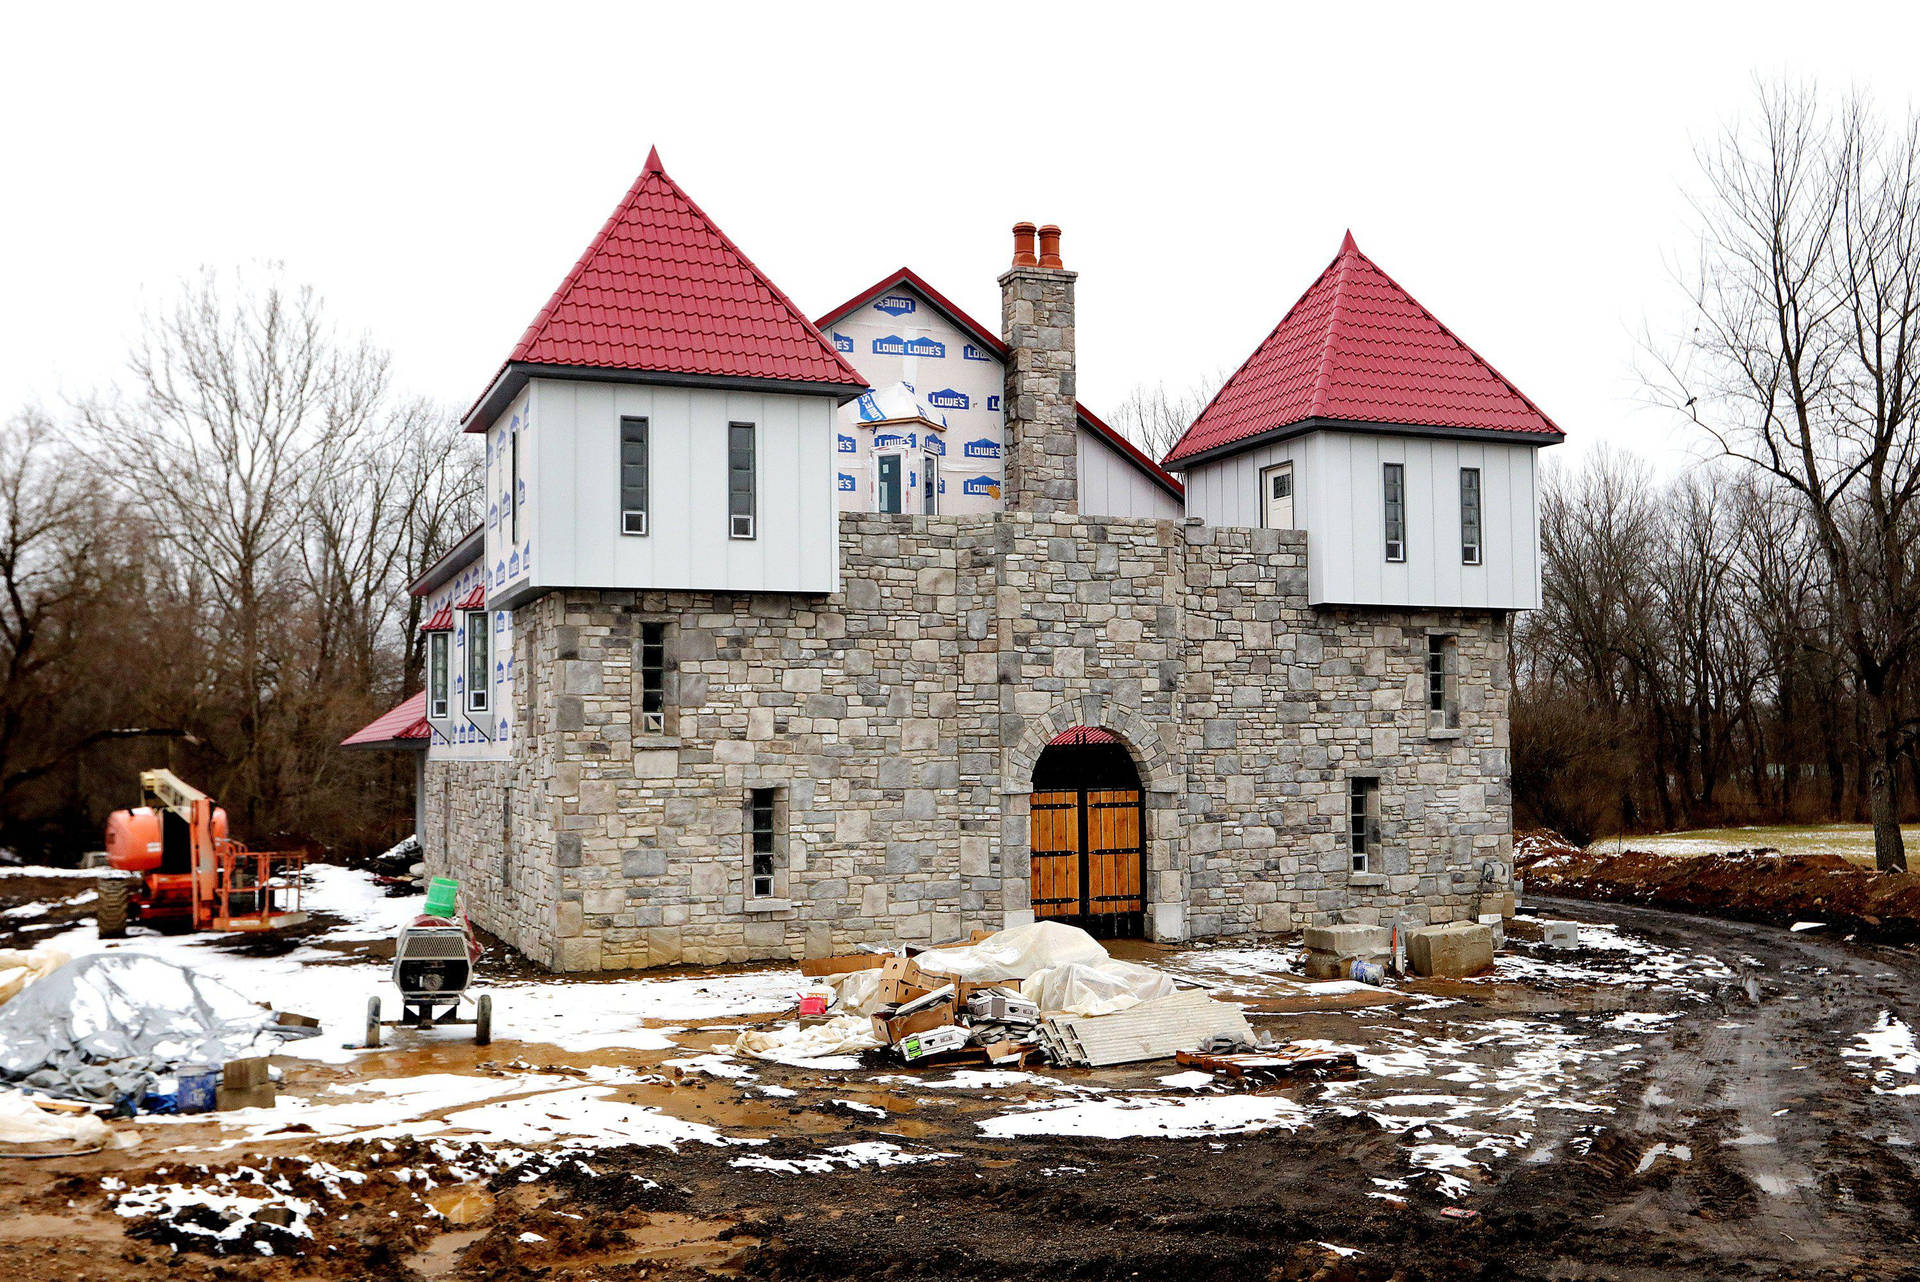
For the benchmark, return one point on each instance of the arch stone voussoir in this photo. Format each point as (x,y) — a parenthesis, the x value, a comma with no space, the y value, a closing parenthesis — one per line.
(1150,756)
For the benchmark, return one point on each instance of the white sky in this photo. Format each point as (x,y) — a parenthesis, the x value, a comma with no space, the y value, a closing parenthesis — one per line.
(435,171)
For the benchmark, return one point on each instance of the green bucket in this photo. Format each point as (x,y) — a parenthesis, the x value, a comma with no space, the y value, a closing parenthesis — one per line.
(440,896)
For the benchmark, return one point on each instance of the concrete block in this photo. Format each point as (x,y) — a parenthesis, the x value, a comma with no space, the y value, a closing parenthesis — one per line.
(1453,951)
(1560,934)
(1347,939)
(1329,966)
(1498,925)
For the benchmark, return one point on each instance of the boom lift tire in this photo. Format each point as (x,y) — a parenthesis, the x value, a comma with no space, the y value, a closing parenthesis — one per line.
(110,915)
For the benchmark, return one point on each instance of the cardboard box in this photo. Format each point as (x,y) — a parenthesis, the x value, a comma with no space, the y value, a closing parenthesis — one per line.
(902,980)
(287,1019)
(845,964)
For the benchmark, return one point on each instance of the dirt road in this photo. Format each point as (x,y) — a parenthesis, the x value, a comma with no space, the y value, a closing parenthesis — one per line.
(1733,1111)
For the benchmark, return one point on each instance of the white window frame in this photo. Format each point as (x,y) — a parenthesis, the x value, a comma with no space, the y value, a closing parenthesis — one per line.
(930,485)
(1443,681)
(771,884)
(1393,509)
(1473,541)
(899,455)
(479,642)
(633,520)
(1267,477)
(439,664)
(743,525)
(652,720)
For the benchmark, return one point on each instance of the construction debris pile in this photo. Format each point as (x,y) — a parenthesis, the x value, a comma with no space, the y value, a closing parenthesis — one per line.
(1034,994)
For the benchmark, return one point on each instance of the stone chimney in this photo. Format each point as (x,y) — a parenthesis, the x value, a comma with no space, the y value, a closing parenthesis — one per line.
(1036,322)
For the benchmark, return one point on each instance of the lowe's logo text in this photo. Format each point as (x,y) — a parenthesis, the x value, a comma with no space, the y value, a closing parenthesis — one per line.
(894,345)
(948,399)
(982,448)
(895,305)
(846,483)
(935,445)
(972,353)
(993,403)
(848,445)
(841,343)
(986,485)
(892,441)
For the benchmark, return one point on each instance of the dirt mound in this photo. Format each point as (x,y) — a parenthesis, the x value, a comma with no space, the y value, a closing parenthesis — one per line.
(1755,885)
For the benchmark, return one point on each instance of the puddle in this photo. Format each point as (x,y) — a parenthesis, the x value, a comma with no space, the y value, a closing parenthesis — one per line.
(462,1204)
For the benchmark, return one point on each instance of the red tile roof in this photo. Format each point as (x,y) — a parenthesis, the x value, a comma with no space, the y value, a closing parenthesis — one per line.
(981,335)
(442,620)
(663,290)
(1357,348)
(402,727)
(1082,737)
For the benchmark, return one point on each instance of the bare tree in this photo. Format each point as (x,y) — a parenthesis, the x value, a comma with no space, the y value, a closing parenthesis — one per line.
(1154,415)
(1804,362)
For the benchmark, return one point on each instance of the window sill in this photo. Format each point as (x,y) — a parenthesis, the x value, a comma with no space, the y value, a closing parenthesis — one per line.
(1366,879)
(1446,732)
(655,742)
(767,906)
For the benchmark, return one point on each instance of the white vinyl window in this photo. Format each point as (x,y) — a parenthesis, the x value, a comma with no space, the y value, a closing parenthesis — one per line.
(1443,682)
(929,485)
(1276,497)
(743,481)
(1363,822)
(653,678)
(479,661)
(437,644)
(1470,516)
(890,482)
(633,476)
(766,842)
(1393,484)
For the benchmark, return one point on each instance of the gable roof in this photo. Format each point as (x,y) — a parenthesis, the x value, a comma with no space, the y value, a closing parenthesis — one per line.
(987,339)
(662,290)
(404,726)
(1357,349)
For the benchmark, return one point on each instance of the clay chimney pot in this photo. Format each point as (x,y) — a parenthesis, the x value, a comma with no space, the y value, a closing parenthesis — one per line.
(1050,246)
(1023,245)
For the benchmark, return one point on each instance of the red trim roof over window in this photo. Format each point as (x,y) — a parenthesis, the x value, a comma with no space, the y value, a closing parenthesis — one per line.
(979,333)
(474,600)
(1358,348)
(402,727)
(663,290)
(442,620)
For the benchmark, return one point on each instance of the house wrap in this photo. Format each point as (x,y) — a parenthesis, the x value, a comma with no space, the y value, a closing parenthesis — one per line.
(782,637)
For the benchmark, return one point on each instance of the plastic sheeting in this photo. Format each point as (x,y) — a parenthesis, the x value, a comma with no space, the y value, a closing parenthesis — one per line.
(27,1127)
(1094,988)
(845,1035)
(1015,953)
(115,1007)
(857,992)
(18,968)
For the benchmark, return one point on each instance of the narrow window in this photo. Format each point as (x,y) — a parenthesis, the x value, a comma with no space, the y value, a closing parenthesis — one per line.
(763,841)
(889,484)
(1443,682)
(633,476)
(1363,820)
(1395,493)
(741,480)
(929,486)
(479,662)
(513,484)
(1470,516)
(1276,489)
(653,678)
(437,643)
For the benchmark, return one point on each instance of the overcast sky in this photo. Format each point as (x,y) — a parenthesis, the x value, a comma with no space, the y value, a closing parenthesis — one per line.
(435,171)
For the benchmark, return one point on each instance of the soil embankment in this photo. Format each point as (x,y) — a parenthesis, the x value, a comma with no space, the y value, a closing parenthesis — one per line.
(1749,885)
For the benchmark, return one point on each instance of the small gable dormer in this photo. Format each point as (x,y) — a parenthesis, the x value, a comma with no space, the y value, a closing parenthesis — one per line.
(666,421)
(1406,457)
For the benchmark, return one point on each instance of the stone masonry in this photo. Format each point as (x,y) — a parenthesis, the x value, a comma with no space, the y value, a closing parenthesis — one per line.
(1036,319)
(901,719)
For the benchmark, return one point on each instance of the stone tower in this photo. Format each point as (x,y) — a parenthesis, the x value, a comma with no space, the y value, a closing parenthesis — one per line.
(1036,322)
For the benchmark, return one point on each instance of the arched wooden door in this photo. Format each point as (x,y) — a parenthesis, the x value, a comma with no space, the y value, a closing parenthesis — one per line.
(1088,844)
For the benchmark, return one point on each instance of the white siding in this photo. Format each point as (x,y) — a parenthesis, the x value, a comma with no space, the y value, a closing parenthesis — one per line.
(1113,485)
(1338,500)
(576,490)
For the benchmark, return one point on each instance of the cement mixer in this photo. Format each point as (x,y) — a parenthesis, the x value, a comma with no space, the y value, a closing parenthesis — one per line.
(180,869)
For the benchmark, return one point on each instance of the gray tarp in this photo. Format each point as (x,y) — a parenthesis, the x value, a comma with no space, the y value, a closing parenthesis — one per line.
(105,1026)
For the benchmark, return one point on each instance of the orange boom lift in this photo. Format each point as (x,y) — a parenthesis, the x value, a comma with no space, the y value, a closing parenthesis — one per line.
(186,872)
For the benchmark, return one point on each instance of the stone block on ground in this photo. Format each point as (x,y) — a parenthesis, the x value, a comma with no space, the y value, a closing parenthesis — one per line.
(1347,939)
(1560,934)
(1453,951)
(1329,966)
(1498,925)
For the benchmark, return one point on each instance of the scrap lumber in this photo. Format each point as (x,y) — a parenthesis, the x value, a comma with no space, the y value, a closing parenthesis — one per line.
(1281,1062)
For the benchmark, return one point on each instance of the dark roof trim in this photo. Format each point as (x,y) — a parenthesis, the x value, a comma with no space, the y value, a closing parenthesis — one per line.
(514,375)
(457,558)
(1305,425)
(946,307)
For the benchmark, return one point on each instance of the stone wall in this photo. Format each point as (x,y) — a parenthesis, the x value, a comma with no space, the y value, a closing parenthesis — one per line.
(1043,446)
(902,718)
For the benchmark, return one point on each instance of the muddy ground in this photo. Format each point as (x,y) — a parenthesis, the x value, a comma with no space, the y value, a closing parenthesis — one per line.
(1735,1141)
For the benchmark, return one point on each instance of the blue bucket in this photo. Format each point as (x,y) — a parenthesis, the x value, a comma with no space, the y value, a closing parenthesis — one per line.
(199,1084)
